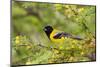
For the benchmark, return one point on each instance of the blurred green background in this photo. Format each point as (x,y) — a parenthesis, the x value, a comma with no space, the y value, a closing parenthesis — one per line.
(30,44)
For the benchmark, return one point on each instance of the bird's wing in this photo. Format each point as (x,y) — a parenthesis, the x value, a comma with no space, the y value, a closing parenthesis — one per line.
(63,34)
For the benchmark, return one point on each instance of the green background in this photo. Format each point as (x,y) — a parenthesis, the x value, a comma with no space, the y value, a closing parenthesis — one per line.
(30,45)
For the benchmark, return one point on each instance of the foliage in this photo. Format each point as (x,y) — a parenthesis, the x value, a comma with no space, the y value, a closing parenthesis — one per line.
(30,45)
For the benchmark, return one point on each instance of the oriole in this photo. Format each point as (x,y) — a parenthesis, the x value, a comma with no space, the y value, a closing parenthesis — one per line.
(58,36)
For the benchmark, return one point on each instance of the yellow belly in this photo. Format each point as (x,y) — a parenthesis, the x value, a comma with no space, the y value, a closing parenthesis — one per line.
(60,41)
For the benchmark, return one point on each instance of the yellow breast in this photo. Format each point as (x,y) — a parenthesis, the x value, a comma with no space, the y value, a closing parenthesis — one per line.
(60,41)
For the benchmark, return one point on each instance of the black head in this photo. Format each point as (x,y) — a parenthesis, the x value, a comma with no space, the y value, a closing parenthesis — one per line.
(48,30)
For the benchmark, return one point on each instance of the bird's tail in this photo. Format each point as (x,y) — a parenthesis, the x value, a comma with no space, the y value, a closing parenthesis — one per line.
(77,38)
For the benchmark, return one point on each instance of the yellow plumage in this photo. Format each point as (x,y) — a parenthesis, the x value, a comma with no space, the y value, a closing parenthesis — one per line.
(60,41)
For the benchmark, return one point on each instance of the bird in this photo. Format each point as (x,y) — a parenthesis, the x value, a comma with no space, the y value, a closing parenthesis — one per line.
(58,36)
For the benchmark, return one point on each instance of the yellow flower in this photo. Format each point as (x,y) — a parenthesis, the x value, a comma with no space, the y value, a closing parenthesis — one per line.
(69,16)
(60,47)
(28,62)
(74,42)
(17,41)
(50,61)
(56,51)
(80,47)
(29,46)
(53,56)
(67,6)
(58,6)
(82,53)
(72,46)
(80,10)
(71,58)
(17,37)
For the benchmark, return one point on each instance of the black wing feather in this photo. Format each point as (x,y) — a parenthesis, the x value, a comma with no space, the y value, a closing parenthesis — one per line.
(60,35)
(63,34)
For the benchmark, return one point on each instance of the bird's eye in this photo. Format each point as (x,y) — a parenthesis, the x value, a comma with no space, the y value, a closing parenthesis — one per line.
(45,29)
